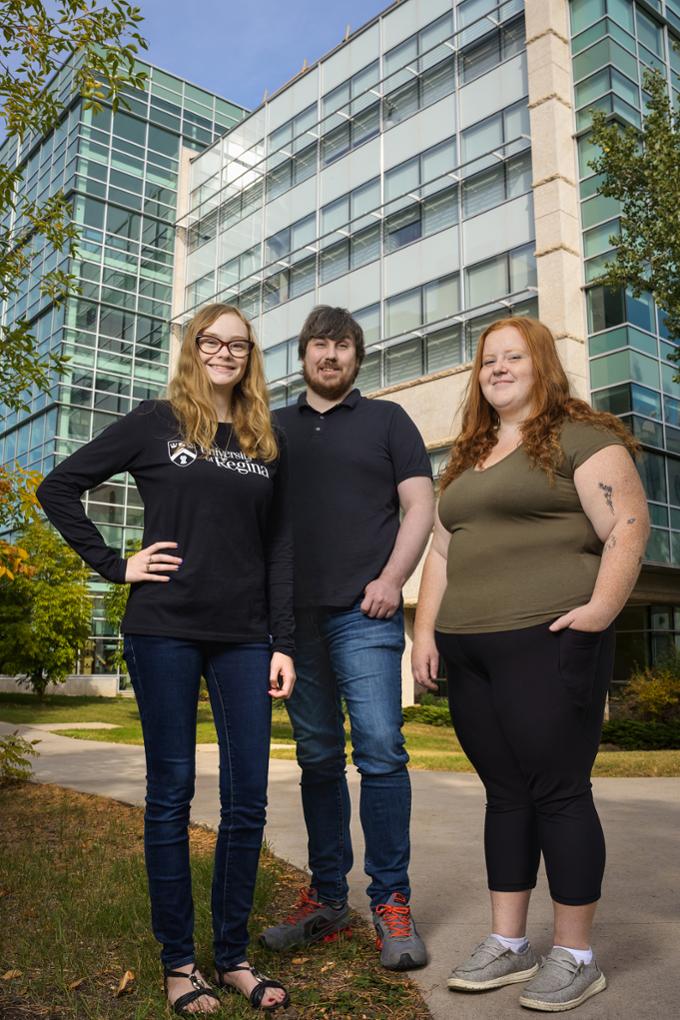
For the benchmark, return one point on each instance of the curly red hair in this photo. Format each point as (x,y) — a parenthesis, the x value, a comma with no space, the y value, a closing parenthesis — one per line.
(552,404)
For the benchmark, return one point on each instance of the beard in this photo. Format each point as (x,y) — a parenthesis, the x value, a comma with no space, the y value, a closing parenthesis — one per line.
(330,390)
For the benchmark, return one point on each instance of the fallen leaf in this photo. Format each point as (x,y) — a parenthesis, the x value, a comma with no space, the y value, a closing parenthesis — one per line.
(77,984)
(327,966)
(10,974)
(125,984)
(300,959)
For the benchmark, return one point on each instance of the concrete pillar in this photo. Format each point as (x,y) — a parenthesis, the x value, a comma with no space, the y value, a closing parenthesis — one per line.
(555,185)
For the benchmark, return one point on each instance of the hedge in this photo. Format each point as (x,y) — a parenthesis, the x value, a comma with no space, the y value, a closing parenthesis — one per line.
(628,734)
(633,735)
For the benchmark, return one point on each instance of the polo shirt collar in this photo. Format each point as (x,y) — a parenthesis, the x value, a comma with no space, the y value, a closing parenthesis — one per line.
(350,401)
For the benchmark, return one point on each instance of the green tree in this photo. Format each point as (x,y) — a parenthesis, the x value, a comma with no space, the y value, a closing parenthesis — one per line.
(44,618)
(18,507)
(35,40)
(115,601)
(640,168)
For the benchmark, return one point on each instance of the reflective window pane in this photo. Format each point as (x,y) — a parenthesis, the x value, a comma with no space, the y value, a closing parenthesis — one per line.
(442,298)
(366,198)
(483,191)
(438,82)
(522,269)
(303,277)
(366,124)
(403,312)
(369,320)
(334,261)
(370,373)
(402,179)
(335,144)
(482,137)
(403,362)
(335,214)
(653,475)
(400,104)
(438,161)
(444,349)
(365,246)
(402,227)
(487,281)
(440,211)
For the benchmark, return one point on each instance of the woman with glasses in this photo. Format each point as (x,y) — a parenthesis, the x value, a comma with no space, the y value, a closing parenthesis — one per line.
(211,596)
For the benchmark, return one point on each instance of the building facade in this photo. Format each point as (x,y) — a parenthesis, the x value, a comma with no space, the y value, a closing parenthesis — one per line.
(121,172)
(431,174)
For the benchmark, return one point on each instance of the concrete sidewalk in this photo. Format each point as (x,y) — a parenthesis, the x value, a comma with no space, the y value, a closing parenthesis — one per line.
(637,936)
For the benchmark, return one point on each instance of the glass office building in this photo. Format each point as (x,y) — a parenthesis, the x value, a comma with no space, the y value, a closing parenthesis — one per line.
(612,43)
(430,174)
(425,175)
(121,171)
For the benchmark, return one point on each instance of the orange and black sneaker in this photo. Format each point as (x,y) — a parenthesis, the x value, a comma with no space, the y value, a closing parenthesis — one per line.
(309,921)
(400,945)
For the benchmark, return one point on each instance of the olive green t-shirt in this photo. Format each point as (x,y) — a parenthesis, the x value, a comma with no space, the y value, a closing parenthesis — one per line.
(522,552)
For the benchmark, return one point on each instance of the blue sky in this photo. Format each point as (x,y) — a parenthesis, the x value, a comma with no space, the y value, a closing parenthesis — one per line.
(240,49)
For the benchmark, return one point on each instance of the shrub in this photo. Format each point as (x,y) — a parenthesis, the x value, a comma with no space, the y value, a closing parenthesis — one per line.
(636,735)
(433,715)
(653,694)
(15,754)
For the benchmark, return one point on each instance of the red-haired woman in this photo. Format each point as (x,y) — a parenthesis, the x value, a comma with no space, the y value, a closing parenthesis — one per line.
(542,525)
(211,595)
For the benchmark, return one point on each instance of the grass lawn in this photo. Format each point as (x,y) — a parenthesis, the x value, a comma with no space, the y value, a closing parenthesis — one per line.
(75,920)
(430,747)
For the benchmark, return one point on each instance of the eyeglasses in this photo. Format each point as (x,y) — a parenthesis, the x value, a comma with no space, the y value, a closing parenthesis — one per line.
(238,348)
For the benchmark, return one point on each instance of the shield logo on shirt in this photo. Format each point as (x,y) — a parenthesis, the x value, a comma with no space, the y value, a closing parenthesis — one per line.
(180,454)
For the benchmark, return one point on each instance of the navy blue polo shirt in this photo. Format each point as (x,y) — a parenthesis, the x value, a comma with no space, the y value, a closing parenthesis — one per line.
(345,465)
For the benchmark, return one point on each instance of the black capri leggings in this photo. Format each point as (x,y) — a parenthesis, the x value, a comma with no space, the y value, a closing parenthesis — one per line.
(527,706)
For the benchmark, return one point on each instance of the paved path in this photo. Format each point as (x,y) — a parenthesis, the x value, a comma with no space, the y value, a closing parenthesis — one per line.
(638,930)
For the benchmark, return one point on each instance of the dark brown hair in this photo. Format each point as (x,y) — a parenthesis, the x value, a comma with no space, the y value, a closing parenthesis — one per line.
(331,324)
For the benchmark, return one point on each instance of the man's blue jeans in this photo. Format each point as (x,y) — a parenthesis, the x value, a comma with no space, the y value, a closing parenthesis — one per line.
(344,654)
(165,674)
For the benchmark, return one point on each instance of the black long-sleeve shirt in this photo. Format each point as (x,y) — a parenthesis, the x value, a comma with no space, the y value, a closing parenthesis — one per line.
(227,512)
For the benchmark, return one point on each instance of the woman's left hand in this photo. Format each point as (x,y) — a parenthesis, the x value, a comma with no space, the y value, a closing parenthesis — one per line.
(281,676)
(588,618)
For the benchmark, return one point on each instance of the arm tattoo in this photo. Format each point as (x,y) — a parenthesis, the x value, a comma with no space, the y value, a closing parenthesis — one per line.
(608,492)
(611,543)
(631,520)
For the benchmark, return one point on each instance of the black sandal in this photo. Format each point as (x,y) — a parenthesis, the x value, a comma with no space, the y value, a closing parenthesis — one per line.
(256,996)
(199,989)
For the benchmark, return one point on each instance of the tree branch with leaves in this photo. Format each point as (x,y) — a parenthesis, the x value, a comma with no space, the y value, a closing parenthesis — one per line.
(102,43)
(640,168)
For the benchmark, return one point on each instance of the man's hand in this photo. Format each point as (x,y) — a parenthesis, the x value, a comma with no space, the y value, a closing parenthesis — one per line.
(425,663)
(281,676)
(382,598)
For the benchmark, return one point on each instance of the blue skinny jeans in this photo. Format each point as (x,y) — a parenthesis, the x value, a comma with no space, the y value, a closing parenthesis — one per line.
(165,674)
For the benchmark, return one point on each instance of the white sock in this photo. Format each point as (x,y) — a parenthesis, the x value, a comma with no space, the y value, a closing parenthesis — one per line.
(581,955)
(517,945)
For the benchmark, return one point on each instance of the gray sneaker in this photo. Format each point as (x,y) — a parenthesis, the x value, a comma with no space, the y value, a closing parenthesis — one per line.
(400,945)
(309,921)
(562,983)
(492,965)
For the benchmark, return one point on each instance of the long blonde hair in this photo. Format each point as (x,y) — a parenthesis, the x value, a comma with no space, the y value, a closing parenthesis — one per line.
(553,404)
(190,393)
